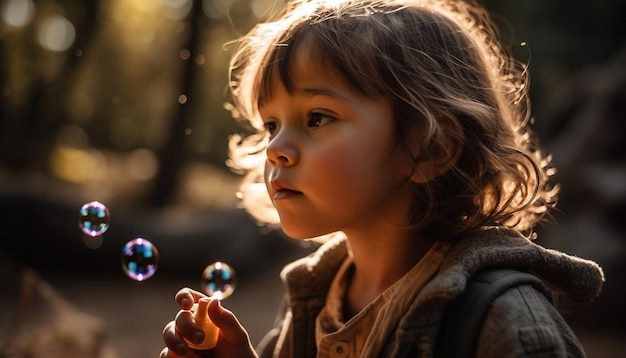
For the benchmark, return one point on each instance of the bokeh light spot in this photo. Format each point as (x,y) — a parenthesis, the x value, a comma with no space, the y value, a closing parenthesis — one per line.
(142,164)
(56,33)
(184,54)
(175,9)
(18,13)
(77,165)
(216,9)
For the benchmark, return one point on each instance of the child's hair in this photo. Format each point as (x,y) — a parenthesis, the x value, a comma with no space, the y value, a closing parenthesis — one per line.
(435,60)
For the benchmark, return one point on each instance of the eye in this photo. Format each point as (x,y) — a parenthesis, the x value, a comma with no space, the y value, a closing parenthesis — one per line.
(317,119)
(271,127)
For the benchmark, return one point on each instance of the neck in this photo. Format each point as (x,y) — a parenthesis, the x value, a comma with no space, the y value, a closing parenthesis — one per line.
(380,261)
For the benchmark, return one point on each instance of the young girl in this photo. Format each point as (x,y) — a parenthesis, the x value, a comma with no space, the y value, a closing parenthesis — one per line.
(395,131)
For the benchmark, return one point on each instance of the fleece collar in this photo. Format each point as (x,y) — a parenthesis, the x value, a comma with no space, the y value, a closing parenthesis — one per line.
(573,281)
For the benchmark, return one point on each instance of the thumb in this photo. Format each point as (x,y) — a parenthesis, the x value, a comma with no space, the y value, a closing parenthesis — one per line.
(231,331)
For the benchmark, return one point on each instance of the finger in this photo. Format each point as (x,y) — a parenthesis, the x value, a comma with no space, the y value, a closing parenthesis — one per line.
(230,329)
(186,297)
(187,328)
(173,341)
(166,353)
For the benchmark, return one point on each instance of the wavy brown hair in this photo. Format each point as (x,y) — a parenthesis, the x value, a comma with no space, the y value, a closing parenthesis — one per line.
(436,60)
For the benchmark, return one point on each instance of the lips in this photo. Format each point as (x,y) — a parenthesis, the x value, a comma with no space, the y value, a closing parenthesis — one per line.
(285,194)
(280,191)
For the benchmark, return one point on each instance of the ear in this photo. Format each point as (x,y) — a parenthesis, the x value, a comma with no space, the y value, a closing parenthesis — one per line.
(442,157)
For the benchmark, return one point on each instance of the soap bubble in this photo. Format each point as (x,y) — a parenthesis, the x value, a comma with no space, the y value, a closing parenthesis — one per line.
(139,259)
(219,280)
(94,218)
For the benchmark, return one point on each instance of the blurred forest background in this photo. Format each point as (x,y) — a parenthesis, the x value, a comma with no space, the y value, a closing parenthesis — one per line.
(122,101)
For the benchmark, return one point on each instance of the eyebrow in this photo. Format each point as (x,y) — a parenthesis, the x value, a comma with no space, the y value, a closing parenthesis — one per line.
(311,91)
(321,91)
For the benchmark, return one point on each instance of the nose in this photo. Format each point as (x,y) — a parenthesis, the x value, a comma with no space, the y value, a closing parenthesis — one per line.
(281,150)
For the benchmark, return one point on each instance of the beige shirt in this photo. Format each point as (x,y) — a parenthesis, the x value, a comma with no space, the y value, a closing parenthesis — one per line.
(337,339)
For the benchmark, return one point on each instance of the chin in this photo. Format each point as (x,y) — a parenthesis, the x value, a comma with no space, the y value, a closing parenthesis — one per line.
(300,234)
(313,235)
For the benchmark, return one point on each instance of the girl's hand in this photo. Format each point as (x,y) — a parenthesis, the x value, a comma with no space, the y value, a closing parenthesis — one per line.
(233,339)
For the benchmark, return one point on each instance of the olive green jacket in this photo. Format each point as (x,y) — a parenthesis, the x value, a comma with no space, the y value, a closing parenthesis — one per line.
(521,323)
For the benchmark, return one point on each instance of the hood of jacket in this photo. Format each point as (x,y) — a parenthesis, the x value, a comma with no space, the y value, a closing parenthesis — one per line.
(574,282)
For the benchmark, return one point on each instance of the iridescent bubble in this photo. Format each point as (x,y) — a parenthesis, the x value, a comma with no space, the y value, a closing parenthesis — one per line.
(219,280)
(94,218)
(140,259)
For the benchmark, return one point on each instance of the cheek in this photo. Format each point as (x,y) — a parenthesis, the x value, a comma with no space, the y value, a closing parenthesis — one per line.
(345,175)
(266,180)
(373,171)
(266,171)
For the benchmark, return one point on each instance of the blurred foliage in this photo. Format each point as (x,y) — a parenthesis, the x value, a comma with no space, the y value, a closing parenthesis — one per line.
(126,94)
(563,39)
(118,95)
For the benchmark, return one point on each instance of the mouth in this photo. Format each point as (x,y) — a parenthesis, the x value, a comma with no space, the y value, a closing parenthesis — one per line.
(280,191)
(282,194)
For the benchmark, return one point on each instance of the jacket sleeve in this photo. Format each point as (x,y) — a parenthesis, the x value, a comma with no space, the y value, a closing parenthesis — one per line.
(267,345)
(265,348)
(524,323)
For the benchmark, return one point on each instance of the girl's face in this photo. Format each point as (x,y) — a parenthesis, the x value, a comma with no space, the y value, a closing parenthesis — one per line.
(332,163)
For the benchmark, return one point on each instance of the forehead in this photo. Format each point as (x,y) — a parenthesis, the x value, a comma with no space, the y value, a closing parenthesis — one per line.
(294,64)
(316,52)
(312,78)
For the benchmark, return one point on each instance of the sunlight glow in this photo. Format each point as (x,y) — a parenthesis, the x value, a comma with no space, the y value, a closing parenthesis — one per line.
(56,34)
(77,165)
(217,9)
(262,8)
(18,13)
(176,9)
(142,164)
